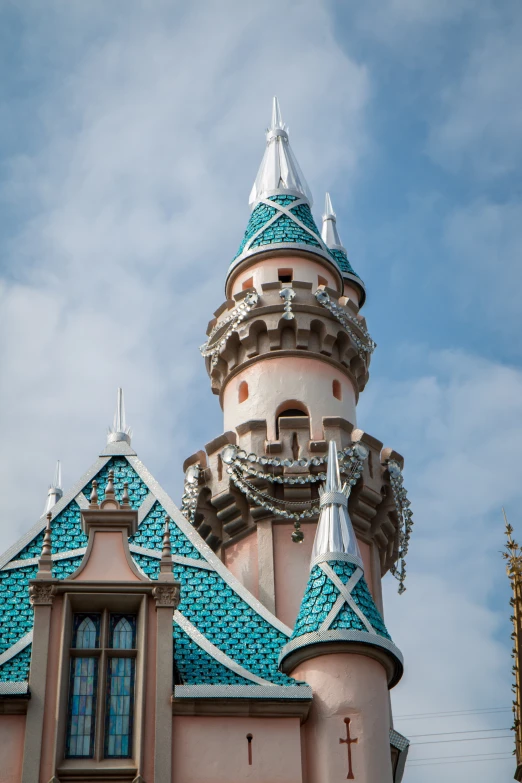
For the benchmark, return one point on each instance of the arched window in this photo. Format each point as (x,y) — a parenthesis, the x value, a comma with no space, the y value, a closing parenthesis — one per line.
(242,392)
(291,411)
(100,676)
(86,632)
(122,633)
(337,390)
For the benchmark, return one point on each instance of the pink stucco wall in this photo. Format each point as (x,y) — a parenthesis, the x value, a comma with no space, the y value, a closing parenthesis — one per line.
(291,569)
(306,270)
(107,559)
(275,380)
(12,729)
(346,686)
(241,559)
(215,750)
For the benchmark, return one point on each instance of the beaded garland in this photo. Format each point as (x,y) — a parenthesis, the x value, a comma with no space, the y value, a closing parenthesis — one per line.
(405,515)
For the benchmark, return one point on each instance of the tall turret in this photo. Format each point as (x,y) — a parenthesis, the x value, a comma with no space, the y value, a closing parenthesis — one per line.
(288,354)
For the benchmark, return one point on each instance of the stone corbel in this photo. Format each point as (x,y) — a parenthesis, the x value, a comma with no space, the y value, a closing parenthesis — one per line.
(41,594)
(166,595)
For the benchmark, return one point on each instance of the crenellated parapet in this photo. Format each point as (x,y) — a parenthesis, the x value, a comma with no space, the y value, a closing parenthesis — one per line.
(286,475)
(255,325)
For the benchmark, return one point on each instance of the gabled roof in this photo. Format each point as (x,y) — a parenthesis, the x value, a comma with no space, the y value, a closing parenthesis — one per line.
(223,635)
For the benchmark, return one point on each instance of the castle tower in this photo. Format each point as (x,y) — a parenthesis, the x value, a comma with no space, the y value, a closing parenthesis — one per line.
(288,354)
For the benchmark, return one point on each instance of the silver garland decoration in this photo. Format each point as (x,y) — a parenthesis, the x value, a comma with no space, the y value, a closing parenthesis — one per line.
(213,346)
(241,468)
(367,345)
(189,499)
(405,515)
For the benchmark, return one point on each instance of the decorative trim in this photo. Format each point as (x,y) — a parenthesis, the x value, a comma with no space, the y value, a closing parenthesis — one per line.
(329,557)
(17,647)
(345,590)
(214,651)
(146,507)
(55,511)
(203,548)
(342,635)
(14,688)
(41,594)
(179,559)
(118,448)
(166,594)
(82,501)
(398,740)
(293,692)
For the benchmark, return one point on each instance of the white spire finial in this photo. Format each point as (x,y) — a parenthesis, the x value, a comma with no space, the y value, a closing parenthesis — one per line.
(119,431)
(279,171)
(55,491)
(329,233)
(335,532)
(277,120)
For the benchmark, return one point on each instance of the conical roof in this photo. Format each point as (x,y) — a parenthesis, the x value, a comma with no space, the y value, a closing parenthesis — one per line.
(337,606)
(332,240)
(281,203)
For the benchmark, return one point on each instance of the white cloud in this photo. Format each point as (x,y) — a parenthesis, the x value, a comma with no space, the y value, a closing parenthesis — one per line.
(128,206)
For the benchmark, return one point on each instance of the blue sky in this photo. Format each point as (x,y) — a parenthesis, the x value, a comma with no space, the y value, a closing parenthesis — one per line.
(130,134)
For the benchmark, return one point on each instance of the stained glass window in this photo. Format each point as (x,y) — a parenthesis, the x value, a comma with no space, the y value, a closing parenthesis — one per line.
(86,631)
(119,709)
(82,708)
(123,632)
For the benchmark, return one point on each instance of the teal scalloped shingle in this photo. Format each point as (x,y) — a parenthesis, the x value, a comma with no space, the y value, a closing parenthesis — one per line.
(17,669)
(197,667)
(320,596)
(16,613)
(342,262)
(123,471)
(283,229)
(150,535)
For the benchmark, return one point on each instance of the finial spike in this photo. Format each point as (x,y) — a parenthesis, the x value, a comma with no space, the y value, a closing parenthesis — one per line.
(93,500)
(166,574)
(119,430)
(109,489)
(279,171)
(55,492)
(45,562)
(335,533)
(277,120)
(125,500)
(328,208)
(329,233)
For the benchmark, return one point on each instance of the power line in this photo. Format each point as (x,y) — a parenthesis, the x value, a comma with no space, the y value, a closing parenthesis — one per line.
(445,733)
(464,739)
(460,756)
(423,715)
(466,761)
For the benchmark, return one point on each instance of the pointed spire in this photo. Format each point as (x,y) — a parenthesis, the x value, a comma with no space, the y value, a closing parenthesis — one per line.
(335,532)
(55,491)
(119,430)
(279,171)
(45,563)
(329,231)
(166,574)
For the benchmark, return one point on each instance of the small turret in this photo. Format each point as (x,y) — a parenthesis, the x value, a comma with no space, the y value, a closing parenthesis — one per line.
(337,607)
(332,240)
(55,491)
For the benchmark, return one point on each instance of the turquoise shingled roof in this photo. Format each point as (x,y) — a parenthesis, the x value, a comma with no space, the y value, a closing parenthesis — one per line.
(214,603)
(283,229)
(343,262)
(320,596)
